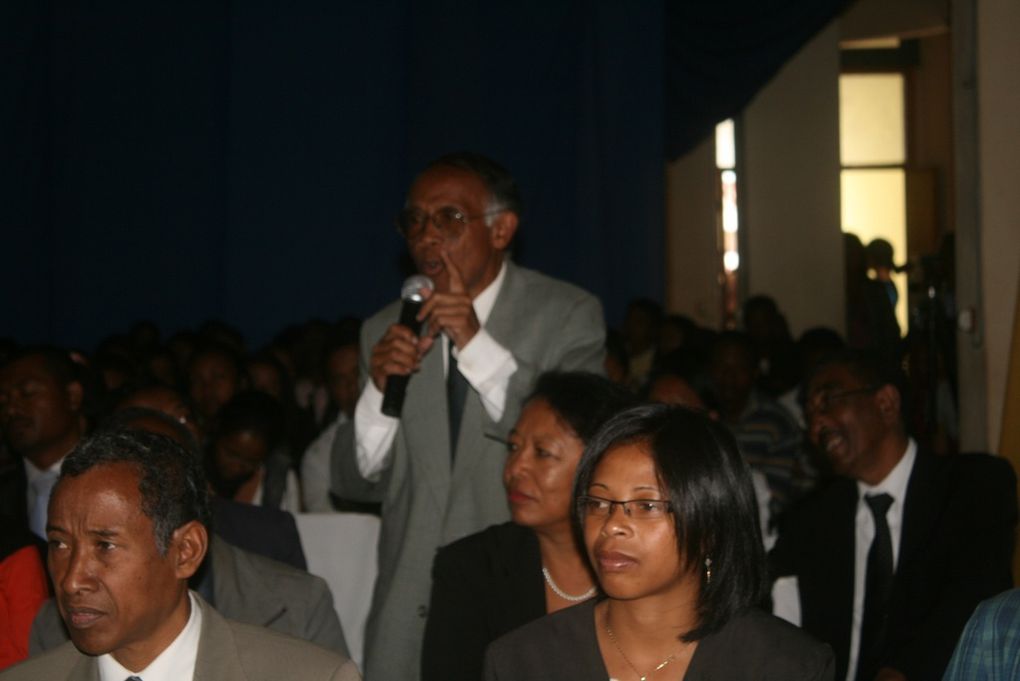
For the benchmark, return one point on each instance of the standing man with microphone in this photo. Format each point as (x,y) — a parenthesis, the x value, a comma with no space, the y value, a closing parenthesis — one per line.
(489,328)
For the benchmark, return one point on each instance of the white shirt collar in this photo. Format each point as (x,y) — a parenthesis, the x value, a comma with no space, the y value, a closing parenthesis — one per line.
(32,471)
(484,301)
(175,663)
(895,483)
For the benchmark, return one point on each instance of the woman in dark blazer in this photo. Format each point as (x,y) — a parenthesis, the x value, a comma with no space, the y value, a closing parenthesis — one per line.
(496,580)
(667,514)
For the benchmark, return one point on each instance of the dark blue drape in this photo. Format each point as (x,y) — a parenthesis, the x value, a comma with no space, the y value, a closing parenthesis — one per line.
(243,160)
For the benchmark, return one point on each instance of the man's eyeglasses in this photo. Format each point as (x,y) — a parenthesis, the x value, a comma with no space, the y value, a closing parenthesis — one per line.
(824,401)
(449,221)
(637,509)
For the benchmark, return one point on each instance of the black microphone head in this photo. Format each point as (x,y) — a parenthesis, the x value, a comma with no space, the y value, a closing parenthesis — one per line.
(411,290)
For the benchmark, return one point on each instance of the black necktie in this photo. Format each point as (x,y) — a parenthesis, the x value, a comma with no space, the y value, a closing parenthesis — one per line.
(877,587)
(456,397)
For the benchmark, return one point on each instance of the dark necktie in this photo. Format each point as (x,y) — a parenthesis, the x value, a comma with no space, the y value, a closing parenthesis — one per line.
(133,678)
(456,397)
(877,587)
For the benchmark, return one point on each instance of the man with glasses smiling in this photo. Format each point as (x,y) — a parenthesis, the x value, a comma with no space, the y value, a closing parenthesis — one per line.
(489,329)
(892,557)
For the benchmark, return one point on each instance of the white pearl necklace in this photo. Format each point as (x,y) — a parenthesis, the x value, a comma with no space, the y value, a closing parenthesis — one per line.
(563,594)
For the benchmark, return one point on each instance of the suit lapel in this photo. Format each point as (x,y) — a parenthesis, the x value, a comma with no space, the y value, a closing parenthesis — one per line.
(217,651)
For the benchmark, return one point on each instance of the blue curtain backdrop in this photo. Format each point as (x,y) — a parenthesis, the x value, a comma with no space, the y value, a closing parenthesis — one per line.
(180,161)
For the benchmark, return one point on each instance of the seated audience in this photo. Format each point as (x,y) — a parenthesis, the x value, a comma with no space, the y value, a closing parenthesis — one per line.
(248,530)
(989,649)
(672,383)
(127,529)
(245,460)
(42,417)
(496,580)
(891,557)
(767,434)
(266,531)
(215,375)
(666,511)
(340,361)
(641,336)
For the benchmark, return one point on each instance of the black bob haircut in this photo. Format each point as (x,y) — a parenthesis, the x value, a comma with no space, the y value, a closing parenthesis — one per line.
(497,179)
(583,401)
(171,480)
(711,496)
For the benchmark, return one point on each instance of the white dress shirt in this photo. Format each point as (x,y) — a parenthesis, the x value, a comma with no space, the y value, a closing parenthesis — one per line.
(40,484)
(895,485)
(485,364)
(175,663)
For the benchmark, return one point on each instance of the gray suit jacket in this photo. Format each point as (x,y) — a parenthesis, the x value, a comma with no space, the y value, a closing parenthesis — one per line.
(227,651)
(546,324)
(247,588)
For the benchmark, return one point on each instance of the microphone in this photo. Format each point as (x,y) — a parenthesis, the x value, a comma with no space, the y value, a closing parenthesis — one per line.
(396,385)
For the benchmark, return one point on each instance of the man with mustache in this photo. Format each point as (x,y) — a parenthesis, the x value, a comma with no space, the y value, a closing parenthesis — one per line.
(490,328)
(892,557)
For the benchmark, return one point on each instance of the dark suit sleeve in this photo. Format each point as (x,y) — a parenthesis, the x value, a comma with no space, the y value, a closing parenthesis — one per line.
(983,508)
(456,633)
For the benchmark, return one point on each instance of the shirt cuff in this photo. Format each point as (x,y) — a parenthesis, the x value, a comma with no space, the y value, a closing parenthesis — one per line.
(487,366)
(373,432)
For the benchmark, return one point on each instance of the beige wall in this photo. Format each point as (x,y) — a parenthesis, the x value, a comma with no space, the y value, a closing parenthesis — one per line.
(790,181)
(998,63)
(693,260)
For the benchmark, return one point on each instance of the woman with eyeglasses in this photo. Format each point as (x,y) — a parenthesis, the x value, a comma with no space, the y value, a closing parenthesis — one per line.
(507,575)
(667,514)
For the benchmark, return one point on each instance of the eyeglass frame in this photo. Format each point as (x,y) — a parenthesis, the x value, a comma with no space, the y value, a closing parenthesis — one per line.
(460,219)
(625,504)
(830,399)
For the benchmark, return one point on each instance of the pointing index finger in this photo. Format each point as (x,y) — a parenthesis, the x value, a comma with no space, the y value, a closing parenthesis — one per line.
(456,281)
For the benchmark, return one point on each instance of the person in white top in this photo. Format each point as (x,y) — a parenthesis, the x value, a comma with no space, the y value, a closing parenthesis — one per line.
(491,328)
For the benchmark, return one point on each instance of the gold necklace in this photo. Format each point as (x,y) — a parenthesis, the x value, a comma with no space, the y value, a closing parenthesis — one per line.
(616,644)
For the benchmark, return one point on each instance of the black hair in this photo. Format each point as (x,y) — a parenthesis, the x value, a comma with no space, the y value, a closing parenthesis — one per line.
(734,339)
(714,509)
(497,179)
(171,481)
(131,418)
(870,368)
(648,307)
(582,400)
(217,348)
(58,362)
(253,411)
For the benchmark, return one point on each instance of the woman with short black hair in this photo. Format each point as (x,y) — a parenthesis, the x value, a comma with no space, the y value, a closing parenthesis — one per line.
(666,511)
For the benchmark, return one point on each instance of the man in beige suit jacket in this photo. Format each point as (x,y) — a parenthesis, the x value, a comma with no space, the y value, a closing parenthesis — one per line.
(126,529)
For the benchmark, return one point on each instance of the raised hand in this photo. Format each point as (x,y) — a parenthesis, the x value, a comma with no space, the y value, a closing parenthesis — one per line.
(450,312)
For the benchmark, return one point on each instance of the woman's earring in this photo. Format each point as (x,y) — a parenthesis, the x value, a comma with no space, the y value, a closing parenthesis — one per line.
(708,571)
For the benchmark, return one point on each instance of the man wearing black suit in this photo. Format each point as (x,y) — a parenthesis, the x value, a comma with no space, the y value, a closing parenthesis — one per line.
(892,557)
